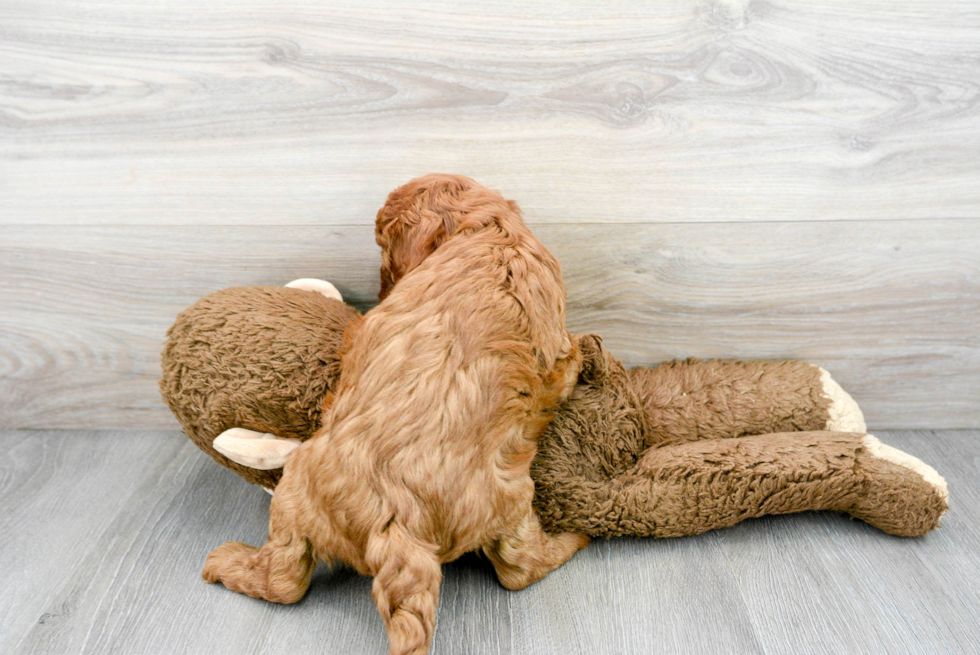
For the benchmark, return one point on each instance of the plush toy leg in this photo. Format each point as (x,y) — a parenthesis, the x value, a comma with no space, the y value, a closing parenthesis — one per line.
(530,553)
(320,286)
(692,400)
(693,487)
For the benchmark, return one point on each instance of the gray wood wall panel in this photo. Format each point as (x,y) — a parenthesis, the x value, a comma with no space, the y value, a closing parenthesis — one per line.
(891,308)
(298,113)
(721,179)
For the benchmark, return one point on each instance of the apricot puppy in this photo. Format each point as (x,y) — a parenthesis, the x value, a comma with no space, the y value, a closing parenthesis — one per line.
(425,448)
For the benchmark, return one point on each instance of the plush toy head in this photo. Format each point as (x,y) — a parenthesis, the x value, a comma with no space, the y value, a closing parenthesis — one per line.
(263,358)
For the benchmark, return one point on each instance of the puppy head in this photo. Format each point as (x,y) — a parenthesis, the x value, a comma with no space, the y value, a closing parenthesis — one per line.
(419,216)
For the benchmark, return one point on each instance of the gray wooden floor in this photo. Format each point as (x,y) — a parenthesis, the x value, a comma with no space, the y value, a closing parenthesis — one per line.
(723,178)
(103,535)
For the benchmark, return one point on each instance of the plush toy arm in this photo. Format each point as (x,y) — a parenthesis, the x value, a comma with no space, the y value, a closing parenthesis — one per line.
(692,400)
(693,487)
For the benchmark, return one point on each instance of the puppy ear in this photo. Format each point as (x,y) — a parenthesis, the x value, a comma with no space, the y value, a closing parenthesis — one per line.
(419,216)
(428,234)
(388,274)
(406,241)
(595,368)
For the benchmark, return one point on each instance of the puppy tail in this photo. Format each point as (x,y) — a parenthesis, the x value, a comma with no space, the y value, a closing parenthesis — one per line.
(407,574)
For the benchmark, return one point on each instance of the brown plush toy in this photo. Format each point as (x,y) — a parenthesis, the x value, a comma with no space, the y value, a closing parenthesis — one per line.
(670,451)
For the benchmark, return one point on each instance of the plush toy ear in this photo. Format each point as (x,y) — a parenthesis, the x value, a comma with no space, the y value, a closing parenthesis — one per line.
(594,364)
(257,450)
(319,286)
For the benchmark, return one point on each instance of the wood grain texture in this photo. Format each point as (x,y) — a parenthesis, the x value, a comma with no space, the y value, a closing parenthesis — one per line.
(815,582)
(868,592)
(890,308)
(59,494)
(233,112)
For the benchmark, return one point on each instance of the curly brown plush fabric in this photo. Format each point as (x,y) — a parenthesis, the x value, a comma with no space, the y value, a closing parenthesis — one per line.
(262,357)
(661,453)
(666,451)
(597,436)
(692,400)
(698,486)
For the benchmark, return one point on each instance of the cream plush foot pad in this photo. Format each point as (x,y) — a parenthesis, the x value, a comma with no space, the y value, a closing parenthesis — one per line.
(896,456)
(844,413)
(320,286)
(257,450)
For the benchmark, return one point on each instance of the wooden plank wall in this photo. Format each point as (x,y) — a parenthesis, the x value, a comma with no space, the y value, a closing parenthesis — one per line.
(720,179)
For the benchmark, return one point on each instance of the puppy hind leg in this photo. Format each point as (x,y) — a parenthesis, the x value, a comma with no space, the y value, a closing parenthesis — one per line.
(529,553)
(407,575)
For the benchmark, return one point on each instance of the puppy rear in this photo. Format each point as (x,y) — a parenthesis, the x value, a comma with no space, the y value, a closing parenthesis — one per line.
(446,386)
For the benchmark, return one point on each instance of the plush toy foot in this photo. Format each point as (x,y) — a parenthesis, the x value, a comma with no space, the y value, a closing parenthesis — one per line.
(257,450)
(844,413)
(320,286)
(904,496)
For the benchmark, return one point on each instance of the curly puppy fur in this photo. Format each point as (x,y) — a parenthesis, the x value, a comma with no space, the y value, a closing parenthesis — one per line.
(426,446)
(604,469)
